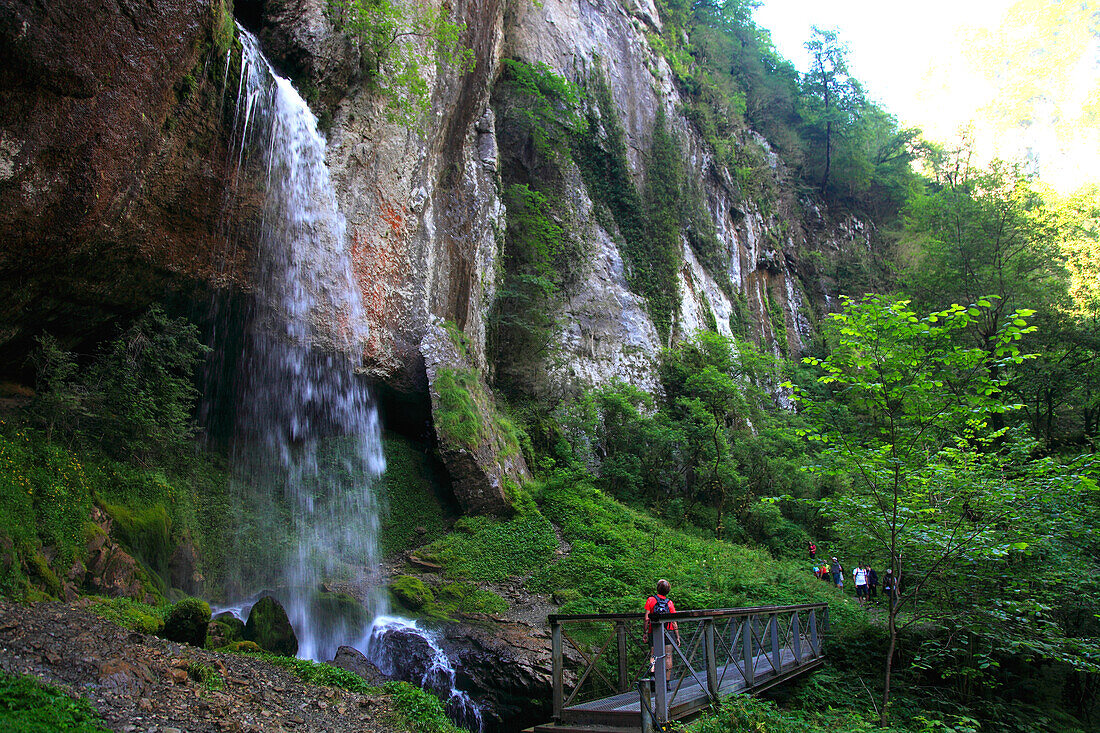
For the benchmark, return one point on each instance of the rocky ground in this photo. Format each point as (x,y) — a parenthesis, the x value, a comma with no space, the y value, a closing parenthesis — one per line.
(142,683)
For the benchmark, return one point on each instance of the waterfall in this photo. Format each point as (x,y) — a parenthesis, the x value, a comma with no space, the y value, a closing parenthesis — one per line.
(307,449)
(307,446)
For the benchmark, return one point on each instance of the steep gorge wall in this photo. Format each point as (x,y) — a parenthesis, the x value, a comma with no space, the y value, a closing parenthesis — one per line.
(116,184)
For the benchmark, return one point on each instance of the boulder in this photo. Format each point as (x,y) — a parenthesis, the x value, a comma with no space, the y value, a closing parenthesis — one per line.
(187,622)
(269,627)
(355,661)
(224,629)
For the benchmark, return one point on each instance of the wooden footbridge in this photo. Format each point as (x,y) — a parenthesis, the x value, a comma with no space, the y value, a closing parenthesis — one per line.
(721,652)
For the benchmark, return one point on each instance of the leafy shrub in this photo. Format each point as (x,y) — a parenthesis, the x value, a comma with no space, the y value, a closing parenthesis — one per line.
(421,710)
(187,621)
(395,41)
(485,548)
(29,706)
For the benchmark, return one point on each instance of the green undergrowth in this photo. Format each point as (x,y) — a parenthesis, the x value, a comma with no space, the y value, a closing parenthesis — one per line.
(30,706)
(417,709)
(318,673)
(130,614)
(617,554)
(413,496)
(47,491)
(420,710)
(491,549)
(744,713)
(446,600)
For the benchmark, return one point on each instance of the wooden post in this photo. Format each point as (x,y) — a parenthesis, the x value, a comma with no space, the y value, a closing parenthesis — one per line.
(813,632)
(777,658)
(796,632)
(558,668)
(746,644)
(620,631)
(712,665)
(660,674)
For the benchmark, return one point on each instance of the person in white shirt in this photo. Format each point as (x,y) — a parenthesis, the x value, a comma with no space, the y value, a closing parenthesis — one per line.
(859,576)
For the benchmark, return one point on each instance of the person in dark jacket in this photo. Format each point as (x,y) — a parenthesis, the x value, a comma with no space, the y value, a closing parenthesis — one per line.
(872,582)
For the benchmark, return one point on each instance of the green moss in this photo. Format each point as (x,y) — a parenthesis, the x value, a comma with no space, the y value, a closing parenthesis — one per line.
(187,621)
(129,614)
(338,610)
(269,627)
(458,419)
(29,706)
(145,532)
(415,504)
(411,592)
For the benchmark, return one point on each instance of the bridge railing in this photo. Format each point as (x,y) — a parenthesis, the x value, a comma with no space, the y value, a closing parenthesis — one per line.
(601,657)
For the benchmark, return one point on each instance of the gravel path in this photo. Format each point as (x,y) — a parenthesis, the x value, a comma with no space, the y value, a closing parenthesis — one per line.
(141,683)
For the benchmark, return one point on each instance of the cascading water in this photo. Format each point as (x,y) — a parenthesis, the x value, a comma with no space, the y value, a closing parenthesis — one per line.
(307,447)
(399,648)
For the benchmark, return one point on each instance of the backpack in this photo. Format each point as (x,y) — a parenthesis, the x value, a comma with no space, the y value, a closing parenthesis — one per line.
(660,607)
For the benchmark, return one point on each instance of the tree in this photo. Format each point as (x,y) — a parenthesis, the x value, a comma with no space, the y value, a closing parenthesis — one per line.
(831,94)
(906,423)
(989,232)
(395,41)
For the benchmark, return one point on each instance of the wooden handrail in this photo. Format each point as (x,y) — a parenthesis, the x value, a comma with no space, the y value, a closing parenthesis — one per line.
(710,613)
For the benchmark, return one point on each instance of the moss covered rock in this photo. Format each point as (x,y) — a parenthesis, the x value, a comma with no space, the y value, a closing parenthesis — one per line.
(411,592)
(186,622)
(270,628)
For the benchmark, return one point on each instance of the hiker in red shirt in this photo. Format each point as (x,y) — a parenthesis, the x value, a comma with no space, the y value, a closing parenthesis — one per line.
(662,605)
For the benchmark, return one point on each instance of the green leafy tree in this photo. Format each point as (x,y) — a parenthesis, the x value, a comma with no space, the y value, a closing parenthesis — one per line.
(831,95)
(396,41)
(906,423)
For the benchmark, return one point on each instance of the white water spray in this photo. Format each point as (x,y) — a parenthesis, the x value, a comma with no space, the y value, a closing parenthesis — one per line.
(307,446)
(386,644)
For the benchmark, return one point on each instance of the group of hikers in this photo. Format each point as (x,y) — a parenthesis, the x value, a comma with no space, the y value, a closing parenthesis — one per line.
(864,577)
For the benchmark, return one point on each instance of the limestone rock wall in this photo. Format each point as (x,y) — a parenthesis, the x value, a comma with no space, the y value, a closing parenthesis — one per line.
(113,163)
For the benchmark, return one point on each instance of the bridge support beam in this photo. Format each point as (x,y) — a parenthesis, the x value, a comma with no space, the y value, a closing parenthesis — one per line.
(558,668)
(796,633)
(712,662)
(748,656)
(624,673)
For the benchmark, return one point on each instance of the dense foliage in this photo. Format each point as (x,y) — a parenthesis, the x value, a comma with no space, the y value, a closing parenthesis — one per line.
(30,706)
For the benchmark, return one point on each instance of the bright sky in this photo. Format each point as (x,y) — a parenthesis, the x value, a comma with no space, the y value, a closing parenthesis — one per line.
(909,59)
(892,44)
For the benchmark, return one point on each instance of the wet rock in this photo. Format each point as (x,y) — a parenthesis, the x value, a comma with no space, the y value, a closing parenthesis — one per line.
(108,569)
(224,629)
(269,627)
(355,661)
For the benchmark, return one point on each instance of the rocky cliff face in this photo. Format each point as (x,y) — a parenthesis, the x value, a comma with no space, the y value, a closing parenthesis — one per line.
(113,163)
(116,186)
